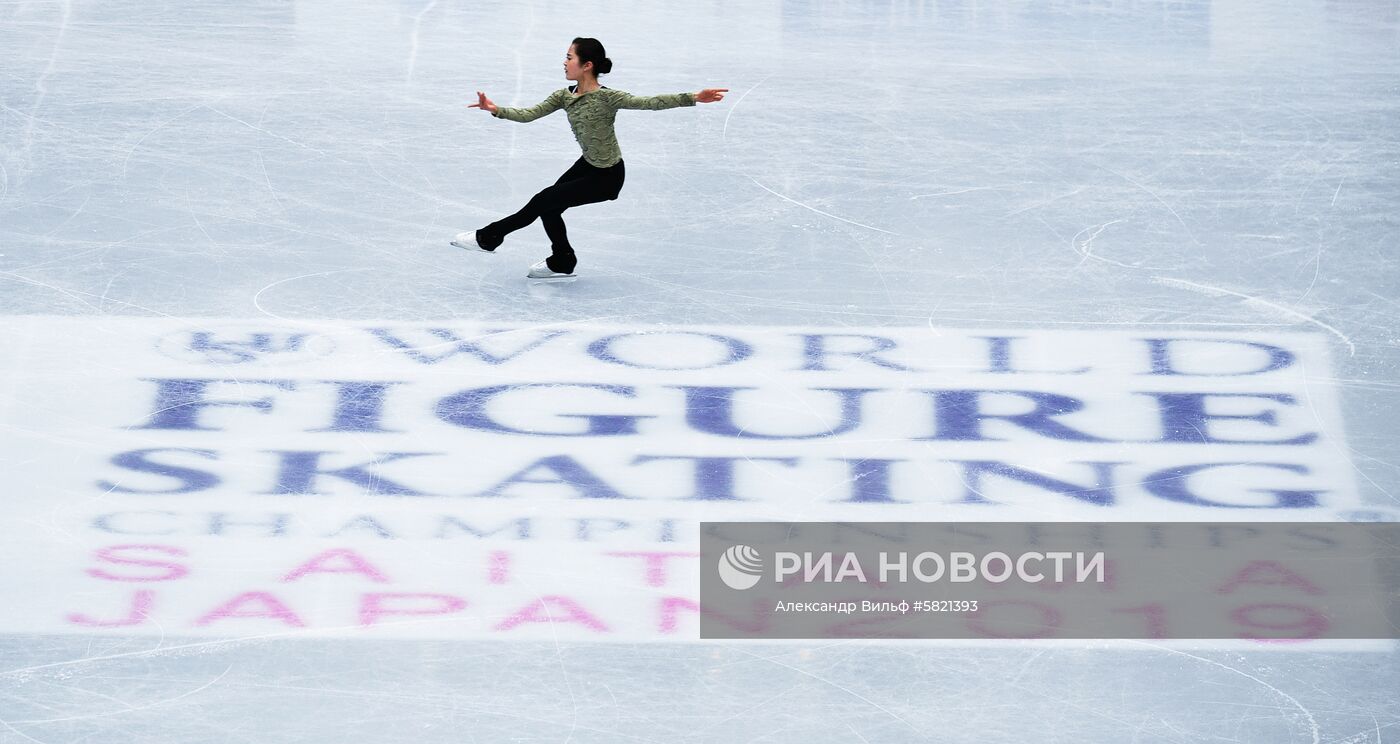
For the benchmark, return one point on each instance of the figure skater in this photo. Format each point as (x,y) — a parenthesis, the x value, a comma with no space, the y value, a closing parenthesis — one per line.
(597,176)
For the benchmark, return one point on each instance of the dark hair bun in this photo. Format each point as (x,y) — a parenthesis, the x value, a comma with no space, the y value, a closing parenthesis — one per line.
(590,51)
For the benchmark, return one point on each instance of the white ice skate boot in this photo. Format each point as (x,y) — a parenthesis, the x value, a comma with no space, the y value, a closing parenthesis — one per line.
(541,271)
(472,241)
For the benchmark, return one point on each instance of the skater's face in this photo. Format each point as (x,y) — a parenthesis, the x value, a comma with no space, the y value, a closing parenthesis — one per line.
(572,70)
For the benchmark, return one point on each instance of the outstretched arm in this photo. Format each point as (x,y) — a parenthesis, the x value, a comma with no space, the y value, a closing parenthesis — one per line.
(620,100)
(543,108)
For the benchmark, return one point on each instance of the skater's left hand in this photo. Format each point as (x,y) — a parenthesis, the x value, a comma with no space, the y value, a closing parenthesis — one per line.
(483,103)
(710,95)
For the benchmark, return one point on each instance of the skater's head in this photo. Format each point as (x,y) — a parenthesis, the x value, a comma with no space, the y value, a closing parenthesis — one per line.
(586,58)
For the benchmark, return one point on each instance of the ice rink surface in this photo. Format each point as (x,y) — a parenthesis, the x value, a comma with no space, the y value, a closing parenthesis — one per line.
(1058,171)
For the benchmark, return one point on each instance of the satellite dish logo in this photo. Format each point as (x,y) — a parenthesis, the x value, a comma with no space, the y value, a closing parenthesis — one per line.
(740,567)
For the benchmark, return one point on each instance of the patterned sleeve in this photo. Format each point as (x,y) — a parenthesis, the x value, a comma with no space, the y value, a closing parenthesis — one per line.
(543,108)
(620,100)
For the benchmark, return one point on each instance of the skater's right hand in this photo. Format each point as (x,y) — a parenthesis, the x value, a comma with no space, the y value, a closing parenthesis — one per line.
(483,103)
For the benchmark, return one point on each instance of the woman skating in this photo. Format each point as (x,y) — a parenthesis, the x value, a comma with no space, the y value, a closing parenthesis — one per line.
(597,176)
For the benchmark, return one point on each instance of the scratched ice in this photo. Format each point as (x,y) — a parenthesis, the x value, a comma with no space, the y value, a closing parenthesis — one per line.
(964,169)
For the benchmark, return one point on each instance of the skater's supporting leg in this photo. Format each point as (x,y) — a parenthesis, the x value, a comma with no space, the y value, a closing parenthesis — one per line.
(600,184)
(552,203)
(581,184)
(562,258)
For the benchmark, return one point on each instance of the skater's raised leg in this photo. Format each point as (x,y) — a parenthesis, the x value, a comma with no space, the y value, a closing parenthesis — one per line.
(476,241)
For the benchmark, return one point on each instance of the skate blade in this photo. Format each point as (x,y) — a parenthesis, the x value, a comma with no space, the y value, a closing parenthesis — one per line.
(561,279)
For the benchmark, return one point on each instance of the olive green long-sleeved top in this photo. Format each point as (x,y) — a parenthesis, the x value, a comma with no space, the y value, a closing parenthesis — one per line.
(591,117)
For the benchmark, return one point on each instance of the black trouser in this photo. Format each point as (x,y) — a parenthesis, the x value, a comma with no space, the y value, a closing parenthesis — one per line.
(581,184)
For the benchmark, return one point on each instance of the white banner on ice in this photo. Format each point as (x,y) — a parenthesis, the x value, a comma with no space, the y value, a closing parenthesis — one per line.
(459,480)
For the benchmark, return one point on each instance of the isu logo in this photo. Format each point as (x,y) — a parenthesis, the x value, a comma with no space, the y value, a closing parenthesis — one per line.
(229,345)
(740,567)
